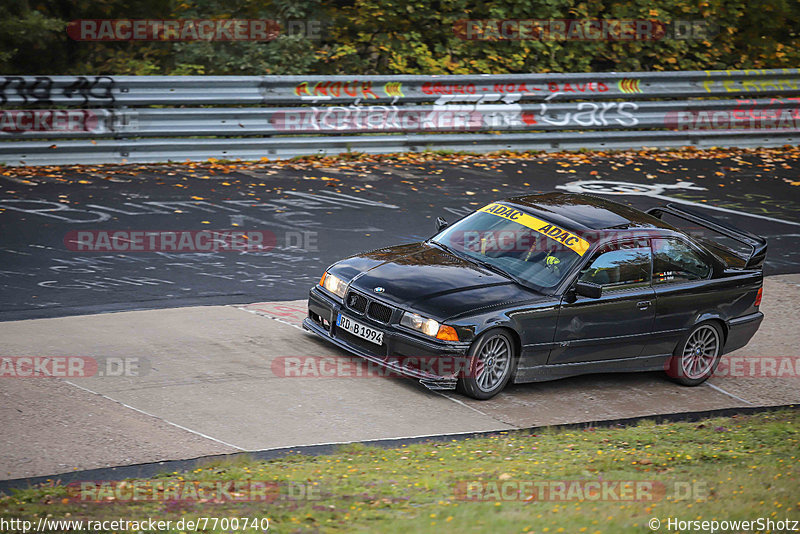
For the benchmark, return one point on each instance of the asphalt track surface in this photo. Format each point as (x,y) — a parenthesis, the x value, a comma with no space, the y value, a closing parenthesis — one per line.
(319,215)
(207,328)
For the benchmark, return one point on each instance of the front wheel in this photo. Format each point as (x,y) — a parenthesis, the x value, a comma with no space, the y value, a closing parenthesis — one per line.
(492,358)
(697,357)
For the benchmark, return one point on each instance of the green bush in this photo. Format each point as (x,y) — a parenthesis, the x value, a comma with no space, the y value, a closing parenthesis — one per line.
(398,37)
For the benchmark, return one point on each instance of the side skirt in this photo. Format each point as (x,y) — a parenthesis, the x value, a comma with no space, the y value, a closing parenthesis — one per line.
(542,373)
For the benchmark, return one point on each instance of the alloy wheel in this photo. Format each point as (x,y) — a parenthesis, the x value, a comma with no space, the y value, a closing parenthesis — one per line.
(700,352)
(492,363)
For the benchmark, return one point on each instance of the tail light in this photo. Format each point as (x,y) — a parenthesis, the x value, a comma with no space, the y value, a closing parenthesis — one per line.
(758,296)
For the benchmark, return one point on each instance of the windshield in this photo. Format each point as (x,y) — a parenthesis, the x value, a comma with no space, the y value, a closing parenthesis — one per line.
(527,248)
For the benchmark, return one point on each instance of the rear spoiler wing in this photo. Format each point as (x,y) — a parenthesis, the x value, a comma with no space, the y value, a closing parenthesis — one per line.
(758,245)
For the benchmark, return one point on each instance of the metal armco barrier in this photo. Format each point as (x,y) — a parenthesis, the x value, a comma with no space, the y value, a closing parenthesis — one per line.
(114,119)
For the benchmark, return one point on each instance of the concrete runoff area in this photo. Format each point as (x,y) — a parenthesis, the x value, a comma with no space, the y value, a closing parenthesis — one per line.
(206,385)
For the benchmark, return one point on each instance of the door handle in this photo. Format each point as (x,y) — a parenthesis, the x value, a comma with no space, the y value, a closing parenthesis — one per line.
(643,305)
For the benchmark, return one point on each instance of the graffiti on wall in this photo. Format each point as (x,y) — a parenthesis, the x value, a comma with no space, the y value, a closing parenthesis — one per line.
(751,85)
(81,90)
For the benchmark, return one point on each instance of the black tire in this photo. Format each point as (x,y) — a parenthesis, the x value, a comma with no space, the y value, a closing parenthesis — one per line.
(499,349)
(697,355)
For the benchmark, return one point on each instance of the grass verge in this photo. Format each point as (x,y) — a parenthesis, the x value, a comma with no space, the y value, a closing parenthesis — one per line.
(596,480)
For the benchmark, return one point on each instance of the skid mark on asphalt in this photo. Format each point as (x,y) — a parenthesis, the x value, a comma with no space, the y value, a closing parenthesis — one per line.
(195,432)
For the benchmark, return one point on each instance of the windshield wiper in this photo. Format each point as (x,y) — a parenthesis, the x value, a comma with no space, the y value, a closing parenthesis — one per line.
(485,264)
(446,248)
(496,269)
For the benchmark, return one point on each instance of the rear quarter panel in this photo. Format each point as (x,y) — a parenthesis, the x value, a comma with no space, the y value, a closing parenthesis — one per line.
(681,306)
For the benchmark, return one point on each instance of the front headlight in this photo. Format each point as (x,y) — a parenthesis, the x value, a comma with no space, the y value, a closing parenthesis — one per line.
(333,284)
(429,327)
(420,324)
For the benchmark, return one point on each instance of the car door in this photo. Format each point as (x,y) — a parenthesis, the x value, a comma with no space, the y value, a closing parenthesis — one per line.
(617,324)
(682,290)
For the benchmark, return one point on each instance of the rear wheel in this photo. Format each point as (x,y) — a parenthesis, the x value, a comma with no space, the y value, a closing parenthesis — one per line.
(697,357)
(492,358)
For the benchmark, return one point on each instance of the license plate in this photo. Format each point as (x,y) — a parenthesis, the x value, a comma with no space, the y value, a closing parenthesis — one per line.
(361,330)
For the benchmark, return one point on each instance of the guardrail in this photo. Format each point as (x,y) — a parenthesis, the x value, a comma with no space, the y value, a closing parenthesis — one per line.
(115,119)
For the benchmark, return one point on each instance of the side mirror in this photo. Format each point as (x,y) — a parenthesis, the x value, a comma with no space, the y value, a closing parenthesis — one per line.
(441,224)
(589,289)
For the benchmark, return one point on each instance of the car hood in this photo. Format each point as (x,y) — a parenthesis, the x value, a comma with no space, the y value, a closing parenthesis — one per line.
(429,280)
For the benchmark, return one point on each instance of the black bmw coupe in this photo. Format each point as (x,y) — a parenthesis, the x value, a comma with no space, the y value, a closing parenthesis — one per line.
(541,287)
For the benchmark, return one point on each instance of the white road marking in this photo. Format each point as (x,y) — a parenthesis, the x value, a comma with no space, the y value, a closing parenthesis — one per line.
(609,187)
(445,395)
(465,405)
(159,418)
(266,314)
(712,386)
(726,210)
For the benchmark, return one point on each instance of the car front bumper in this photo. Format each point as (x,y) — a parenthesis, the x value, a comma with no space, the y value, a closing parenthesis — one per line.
(437,365)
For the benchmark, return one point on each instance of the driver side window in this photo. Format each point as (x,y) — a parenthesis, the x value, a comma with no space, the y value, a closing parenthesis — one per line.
(618,266)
